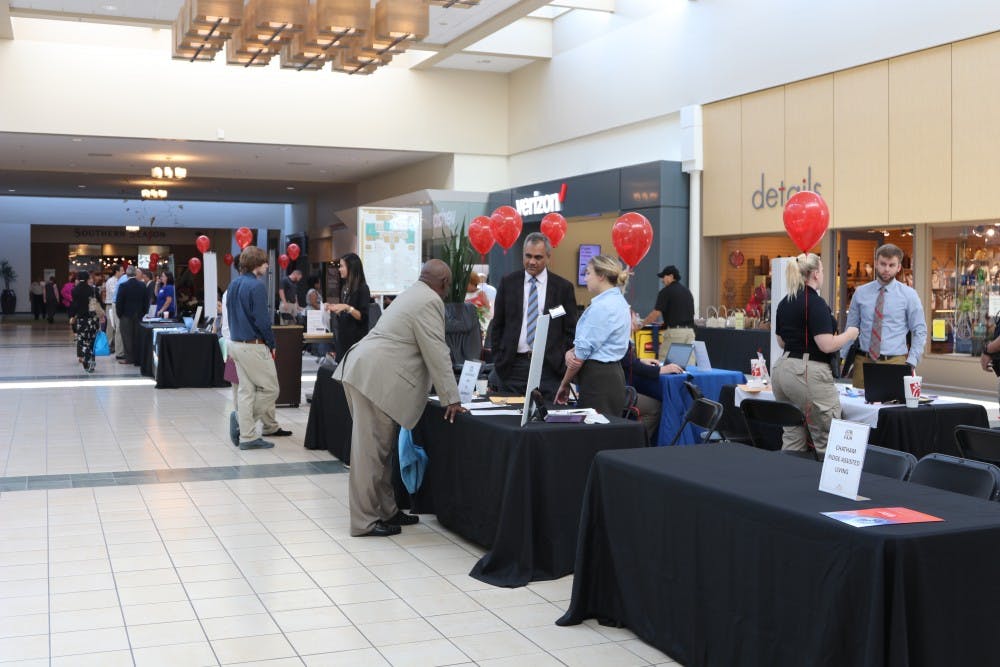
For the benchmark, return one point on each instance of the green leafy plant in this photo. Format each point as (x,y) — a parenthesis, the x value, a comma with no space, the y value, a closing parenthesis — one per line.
(457,253)
(8,274)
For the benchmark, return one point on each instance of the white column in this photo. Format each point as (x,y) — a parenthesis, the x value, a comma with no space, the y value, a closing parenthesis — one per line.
(693,162)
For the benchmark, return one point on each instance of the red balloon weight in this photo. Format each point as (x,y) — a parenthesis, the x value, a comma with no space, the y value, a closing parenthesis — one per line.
(632,235)
(228,259)
(481,235)
(194,264)
(244,237)
(293,251)
(154,261)
(203,243)
(283,260)
(505,223)
(554,226)
(806,218)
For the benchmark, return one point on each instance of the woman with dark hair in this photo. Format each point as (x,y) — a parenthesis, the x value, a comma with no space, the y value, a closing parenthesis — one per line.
(351,314)
(166,298)
(86,321)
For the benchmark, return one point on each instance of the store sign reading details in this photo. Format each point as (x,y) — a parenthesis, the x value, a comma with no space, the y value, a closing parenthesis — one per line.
(539,204)
(771,197)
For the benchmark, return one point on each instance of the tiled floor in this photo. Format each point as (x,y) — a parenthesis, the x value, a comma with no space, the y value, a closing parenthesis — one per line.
(224,567)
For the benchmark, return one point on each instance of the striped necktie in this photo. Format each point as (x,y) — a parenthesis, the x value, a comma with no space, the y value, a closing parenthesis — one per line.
(875,343)
(532,311)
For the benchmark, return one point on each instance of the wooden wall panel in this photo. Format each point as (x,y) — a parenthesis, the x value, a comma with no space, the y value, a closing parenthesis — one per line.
(920,137)
(861,145)
(721,194)
(809,137)
(762,126)
(975,175)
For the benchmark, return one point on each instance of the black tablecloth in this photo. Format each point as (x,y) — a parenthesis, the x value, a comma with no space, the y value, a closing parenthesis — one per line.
(144,345)
(927,429)
(189,360)
(516,491)
(718,555)
(734,348)
(330,420)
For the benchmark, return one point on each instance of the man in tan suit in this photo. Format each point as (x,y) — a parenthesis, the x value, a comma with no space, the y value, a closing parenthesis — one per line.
(386,377)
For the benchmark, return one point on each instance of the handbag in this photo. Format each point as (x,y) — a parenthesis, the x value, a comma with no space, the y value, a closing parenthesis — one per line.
(712,318)
(101,347)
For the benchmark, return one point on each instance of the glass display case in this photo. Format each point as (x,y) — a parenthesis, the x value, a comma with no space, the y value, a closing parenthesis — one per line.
(965,288)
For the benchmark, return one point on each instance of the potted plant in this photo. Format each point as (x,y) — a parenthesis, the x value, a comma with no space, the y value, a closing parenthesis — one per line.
(8,300)
(460,317)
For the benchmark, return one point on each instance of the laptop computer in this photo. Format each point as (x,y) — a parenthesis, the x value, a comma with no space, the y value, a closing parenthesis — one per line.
(680,354)
(884,382)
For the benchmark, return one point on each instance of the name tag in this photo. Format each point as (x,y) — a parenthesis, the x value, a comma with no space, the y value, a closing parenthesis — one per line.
(558,311)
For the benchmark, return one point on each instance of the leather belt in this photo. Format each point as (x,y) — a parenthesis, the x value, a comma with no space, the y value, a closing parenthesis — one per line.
(881,357)
(523,354)
(823,359)
(256,341)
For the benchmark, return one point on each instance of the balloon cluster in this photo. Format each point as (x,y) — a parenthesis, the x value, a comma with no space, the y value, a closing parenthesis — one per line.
(806,217)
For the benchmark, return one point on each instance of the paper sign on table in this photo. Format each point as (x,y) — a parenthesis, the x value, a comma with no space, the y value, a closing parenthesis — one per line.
(881,516)
(845,457)
(467,381)
(314,322)
(701,356)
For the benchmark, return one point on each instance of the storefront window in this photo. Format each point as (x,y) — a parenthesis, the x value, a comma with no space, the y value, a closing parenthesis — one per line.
(745,272)
(965,287)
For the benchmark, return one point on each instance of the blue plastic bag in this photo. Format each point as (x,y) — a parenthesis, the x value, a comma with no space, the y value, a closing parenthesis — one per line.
(101,348)
(412,461)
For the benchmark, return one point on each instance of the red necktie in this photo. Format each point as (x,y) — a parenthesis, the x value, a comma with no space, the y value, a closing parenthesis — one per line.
(875,344)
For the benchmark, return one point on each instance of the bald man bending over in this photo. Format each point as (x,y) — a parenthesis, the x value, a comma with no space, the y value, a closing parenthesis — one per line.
(386,377)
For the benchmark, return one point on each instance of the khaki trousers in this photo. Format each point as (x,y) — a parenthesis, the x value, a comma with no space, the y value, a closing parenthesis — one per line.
(649,413)
(676,335)
(810,386)
(258,388)
(113,330)
(370,493)
(858,379)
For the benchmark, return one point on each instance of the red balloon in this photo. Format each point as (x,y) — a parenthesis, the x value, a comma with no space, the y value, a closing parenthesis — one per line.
(505,223)
(228,259)
(554,226)
(481,235)
(293,251)
(283,260)
(154,261)
(194,264)
(632,235)
(203,243)
(244,237)
(806,218)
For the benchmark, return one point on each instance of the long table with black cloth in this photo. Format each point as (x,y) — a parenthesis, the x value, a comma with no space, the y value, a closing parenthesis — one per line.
(183,359)
(719,555)
(733,349)
(516,491)
(329,426)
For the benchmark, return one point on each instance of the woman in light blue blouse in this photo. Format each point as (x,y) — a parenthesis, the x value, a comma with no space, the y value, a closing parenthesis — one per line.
(602,337)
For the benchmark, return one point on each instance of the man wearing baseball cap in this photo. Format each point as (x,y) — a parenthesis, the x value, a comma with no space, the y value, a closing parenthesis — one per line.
(675,305)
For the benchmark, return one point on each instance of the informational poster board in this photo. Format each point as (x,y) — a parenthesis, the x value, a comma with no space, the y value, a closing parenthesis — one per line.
(389,247)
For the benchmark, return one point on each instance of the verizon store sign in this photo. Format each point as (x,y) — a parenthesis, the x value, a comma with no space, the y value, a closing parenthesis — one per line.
(540,204)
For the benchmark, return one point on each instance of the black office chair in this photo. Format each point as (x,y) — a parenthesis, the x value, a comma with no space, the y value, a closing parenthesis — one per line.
(978,444)
(889,462)
(766,420)
(631,410)
(703,413)
(463,335)
(374,312)
(972,478)
(732,427)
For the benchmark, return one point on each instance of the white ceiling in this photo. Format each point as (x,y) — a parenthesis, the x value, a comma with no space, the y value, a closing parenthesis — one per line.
(59,165)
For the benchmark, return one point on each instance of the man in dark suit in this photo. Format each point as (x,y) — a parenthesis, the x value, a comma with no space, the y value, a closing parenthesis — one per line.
(522,297)
(131,303)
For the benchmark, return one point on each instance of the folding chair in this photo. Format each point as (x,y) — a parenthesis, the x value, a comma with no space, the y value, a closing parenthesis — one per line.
(972,478)
(766,421)
(631,411)
(693,390)
(889,462)
(703,413)
(978,444)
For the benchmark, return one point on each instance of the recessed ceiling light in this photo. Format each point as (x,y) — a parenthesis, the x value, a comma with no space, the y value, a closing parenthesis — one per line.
(82,187)
(109,7)
(483,61)
(11,190)
(77,139)
(289,187)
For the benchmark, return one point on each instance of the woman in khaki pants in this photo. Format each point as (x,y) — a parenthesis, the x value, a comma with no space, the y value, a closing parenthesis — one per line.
(805,328)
